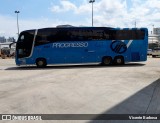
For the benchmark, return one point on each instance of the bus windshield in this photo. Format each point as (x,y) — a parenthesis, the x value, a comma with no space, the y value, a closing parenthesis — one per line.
(24,44)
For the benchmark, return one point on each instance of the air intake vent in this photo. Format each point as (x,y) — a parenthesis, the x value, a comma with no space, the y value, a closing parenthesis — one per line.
(64,26)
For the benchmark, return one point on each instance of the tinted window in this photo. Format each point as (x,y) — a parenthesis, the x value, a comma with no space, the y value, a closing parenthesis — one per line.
(85,34)
(99,35)
(24,44)
(88,34)
(80,34)
(25,40)
(69,34)
(41,37)
(126,35)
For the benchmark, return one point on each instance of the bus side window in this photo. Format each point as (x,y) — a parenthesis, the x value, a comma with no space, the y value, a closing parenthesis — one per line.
(112,34)
(41,39)
(38,40)
(140,34)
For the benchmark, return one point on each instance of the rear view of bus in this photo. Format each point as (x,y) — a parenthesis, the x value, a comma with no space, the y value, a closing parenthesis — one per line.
(76,45)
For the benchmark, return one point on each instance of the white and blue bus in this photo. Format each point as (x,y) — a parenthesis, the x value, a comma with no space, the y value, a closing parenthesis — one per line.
(74,45)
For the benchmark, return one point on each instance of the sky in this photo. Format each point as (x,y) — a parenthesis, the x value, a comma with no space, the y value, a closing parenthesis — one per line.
(36,14)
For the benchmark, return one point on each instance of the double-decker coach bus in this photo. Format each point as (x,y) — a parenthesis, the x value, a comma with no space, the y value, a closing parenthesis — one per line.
(72,45)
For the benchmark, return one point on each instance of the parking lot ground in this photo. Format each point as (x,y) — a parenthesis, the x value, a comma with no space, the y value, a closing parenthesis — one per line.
(133,88)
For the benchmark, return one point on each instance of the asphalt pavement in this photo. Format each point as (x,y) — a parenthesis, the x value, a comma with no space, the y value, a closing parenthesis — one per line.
(133,88)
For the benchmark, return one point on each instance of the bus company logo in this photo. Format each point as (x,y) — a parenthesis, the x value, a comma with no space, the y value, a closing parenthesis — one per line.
(118,47)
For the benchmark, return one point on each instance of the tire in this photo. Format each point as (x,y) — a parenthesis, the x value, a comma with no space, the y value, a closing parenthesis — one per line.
(3,56)
(119,60)
(153,56)
(41,62)
(107,60)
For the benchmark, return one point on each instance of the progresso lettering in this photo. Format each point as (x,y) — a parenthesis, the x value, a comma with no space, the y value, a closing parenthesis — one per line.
(68,45)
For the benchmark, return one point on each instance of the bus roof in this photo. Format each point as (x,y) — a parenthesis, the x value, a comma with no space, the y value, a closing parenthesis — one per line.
(73,27)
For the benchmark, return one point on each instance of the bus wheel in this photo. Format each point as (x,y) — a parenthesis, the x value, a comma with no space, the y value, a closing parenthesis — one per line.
(41,62)
(119,60)
(153,56)
(107,60)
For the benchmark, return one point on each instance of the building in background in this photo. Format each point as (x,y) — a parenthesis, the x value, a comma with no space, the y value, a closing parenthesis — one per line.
(156,31)
(5,40)
(154,38)
(2,39)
